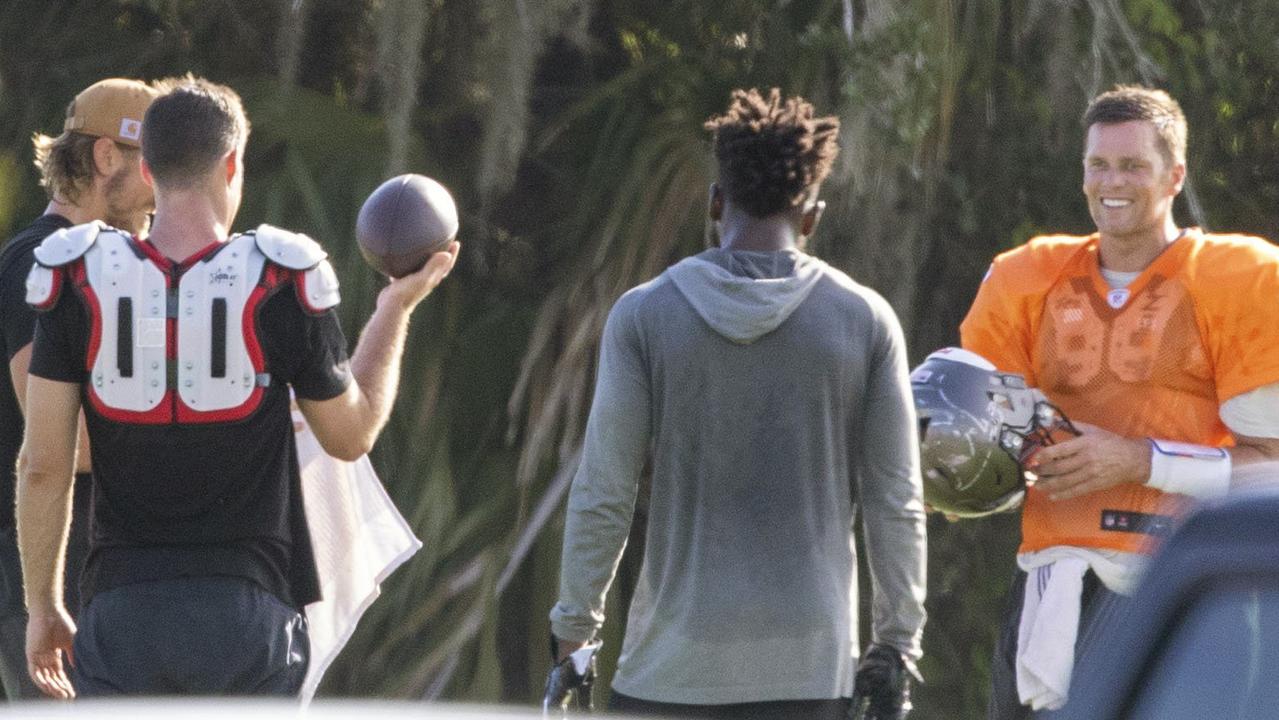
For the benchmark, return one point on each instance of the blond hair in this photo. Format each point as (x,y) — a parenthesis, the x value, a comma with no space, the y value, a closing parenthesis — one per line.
(65,163)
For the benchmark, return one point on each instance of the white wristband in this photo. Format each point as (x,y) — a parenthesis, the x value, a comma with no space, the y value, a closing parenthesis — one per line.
(1200,471)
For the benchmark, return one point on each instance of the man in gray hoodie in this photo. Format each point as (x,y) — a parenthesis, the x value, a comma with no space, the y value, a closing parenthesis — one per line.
(770,392)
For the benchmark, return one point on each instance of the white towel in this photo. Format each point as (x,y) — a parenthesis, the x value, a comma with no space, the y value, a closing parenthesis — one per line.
(359,538)
(1047,633)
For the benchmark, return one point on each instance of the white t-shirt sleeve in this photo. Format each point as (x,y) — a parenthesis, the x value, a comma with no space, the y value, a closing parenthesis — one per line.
(1254,413)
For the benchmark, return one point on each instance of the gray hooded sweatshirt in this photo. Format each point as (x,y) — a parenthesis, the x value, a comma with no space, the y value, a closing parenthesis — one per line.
(771,393)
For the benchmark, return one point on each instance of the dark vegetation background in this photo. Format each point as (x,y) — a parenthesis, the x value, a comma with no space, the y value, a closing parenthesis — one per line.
(570,134)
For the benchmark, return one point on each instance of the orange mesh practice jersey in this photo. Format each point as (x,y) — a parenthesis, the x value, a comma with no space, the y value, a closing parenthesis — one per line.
(1197,327)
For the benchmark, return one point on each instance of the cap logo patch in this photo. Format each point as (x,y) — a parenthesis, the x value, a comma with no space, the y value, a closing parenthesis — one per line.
(1117,297)
(130,128)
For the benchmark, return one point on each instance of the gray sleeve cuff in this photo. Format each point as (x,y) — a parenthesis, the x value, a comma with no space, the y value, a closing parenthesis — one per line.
(576,625)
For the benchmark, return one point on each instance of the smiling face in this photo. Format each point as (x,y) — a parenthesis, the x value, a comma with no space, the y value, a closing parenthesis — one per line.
(1130,182)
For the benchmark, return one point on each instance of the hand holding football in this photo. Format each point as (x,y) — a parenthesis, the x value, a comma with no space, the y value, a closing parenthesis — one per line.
(403,222)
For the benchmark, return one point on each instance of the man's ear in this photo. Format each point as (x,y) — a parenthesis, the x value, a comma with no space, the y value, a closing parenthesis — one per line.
(231,163)
(812,215)
(715,203)
(145,170)
(106,156)
(1178,177)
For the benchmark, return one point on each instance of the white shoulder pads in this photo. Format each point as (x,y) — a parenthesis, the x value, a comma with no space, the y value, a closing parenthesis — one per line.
(68,244)
(318,288)
(42,286)
(294,251)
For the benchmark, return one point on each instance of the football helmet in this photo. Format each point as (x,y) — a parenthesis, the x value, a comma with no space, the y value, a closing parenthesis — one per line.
(977,428)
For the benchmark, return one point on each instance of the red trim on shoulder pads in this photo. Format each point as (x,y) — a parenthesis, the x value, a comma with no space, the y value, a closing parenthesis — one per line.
(164,263)
(151,252)
(299,285)
(188,416)
(80,280)
(201,254)
(158,415)
(272,277)
(54,293)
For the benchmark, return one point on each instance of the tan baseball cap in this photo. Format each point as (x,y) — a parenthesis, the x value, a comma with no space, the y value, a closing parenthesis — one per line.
(111,108)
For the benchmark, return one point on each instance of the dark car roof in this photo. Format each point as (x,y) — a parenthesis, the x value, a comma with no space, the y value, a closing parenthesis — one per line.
(1237,536)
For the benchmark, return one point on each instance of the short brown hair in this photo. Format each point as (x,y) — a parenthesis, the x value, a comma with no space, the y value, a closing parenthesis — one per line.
(189,128)
(771,152)
(1124,103)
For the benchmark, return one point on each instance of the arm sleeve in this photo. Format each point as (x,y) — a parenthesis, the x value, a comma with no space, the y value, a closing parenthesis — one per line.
(602,499)
(60,345)
(324,371)
(891,495)
(996,326)
(16,316)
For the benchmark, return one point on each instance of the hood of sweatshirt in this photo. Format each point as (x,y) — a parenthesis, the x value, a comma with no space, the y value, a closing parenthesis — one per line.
(744,295)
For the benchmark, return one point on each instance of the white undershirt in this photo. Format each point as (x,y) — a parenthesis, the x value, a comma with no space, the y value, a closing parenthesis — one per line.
(1116,279)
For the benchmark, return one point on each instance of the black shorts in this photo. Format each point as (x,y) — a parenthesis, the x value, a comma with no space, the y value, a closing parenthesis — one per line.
(190,636)
(770,710)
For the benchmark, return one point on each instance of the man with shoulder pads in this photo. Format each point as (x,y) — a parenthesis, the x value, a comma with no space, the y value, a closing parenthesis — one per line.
(182,349)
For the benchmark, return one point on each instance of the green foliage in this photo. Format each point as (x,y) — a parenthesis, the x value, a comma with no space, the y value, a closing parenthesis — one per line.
(10,190)
(570,132)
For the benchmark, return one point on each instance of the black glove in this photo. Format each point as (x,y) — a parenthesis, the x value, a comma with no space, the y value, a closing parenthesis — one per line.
(566,688)
(882,686)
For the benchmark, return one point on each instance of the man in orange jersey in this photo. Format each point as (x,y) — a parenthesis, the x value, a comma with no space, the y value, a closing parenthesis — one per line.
(1162,342)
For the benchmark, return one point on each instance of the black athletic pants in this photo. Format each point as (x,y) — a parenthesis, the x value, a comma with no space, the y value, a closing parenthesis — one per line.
(1097,604)
(190,636)
(776,710)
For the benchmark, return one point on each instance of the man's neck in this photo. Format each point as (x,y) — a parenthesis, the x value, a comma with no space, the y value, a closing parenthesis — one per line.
(186,222)
(77,214)
(759,234)
(1133,253)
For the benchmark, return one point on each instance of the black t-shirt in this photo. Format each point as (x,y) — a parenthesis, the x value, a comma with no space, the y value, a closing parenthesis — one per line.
(206,499)
(17,325)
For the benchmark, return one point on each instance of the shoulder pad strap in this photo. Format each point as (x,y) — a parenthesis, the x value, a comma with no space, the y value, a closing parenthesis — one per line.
(318,288)
(294,251)
(68,244)
(43,286)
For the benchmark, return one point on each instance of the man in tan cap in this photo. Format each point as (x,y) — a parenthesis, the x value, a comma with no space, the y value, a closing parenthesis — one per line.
(90,172)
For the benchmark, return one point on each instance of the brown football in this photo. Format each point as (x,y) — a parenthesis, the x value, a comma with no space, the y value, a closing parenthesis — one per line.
(403,222)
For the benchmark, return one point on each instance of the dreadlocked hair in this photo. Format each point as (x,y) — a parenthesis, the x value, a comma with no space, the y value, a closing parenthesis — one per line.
(772,152)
